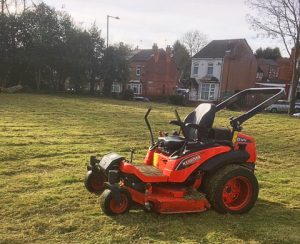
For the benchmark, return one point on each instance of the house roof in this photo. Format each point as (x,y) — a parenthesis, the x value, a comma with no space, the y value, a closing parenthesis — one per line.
(144,55)
(259,70)
(218,48)
(267,61)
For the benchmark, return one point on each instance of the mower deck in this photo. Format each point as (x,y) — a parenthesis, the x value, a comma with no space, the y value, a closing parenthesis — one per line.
(171,199)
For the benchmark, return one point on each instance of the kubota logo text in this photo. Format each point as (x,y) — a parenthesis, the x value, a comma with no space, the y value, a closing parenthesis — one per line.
(189,161)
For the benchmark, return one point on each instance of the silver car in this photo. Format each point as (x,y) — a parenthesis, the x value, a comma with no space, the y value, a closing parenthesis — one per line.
(282,106)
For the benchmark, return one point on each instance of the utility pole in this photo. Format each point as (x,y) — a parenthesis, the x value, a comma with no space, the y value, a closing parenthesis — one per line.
(107,27)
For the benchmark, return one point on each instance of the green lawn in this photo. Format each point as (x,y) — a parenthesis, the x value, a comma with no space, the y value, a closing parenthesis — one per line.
(45,142)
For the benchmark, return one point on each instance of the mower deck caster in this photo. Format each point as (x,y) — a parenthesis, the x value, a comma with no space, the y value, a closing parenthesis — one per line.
(110,205)
(94,182)
(148,207)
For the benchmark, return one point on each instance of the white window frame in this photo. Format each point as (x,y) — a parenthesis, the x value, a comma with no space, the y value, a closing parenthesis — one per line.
(210,69)
(195,68)
(207,91)
(212,91)
(136,87)
(273,72)
(116,87)
(138,70)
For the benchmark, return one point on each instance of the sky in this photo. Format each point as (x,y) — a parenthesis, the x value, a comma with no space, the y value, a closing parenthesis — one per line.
(144,22)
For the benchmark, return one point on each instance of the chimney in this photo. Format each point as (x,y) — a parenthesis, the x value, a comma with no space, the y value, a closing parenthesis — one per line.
(156,52)
(155,47)
(169,53)
(169,50)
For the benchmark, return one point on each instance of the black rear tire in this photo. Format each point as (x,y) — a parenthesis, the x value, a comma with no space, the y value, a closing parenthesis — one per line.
(94,182)
(110,206)
(232,189)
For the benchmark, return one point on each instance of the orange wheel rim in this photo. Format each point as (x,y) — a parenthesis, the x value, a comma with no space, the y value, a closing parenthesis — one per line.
(97,183)
(119,207)
(237,193)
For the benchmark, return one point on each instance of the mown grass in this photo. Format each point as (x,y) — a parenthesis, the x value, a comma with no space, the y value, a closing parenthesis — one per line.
(45,142)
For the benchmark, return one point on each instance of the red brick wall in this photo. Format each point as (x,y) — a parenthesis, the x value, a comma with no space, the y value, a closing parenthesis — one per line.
(285,69)
(159,75)
(239,70)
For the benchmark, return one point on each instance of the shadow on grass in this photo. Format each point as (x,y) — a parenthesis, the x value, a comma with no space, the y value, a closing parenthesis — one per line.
(266,222)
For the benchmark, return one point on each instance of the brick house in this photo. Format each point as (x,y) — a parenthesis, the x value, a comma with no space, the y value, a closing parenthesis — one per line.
(153,73)
(222,68)
(283,77)
(267,70)
(274,73)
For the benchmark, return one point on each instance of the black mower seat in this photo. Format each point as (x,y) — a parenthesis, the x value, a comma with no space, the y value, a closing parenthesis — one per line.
(203,116)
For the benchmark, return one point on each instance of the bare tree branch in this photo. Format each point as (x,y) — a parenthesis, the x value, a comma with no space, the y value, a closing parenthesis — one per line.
(194,41)
(280,18)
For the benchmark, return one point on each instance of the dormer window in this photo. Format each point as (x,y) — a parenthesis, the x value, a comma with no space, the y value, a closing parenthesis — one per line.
(210,69)
(138,70)
(196,67)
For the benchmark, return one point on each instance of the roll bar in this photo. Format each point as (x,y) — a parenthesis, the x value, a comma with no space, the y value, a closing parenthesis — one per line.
(148,125)
(236,122)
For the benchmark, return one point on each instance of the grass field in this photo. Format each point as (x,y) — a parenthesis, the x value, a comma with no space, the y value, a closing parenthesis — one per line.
(45,142)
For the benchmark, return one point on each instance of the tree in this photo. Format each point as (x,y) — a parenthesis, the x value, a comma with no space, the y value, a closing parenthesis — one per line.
(280,19)
(43,37)
(2,6)
(268,53)
(18,6)
(194,41)
(182,59)
(41,48)
(96,55)
(115,66)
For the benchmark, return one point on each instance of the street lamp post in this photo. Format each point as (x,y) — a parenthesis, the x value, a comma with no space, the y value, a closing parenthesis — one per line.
(107,29)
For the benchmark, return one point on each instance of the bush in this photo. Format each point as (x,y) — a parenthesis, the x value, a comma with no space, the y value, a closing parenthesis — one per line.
(128,94)
(177,99)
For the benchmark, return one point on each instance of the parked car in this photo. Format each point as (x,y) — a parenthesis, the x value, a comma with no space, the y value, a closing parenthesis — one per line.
(181,91)
(282,106)
(142,99)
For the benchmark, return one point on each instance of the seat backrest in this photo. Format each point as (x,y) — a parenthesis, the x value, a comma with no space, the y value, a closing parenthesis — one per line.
(203,116)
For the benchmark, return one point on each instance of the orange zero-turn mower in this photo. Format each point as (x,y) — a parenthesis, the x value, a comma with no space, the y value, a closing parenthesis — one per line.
(190,171)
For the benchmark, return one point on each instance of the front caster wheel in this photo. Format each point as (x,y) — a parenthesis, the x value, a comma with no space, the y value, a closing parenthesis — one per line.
(110,206)
(94,182)
(233,189)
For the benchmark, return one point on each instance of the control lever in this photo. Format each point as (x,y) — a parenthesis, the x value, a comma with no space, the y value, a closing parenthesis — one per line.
(132,152)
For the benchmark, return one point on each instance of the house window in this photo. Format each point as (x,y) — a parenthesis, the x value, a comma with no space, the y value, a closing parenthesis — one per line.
(137,88)
(259,76)
(196,67)
(273,72)
(210,69)
(207,91)
(204,91)
(212,91)
(138,70)
(116,87)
